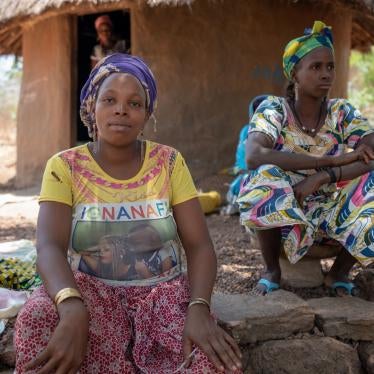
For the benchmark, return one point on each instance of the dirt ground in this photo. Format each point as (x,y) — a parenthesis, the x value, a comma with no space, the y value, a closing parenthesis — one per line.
(239,259)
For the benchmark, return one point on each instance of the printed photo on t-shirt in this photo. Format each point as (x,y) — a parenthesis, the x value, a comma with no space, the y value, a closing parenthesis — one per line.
(127,250)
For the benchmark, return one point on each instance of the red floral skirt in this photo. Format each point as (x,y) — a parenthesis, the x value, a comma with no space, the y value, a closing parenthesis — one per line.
(131,329)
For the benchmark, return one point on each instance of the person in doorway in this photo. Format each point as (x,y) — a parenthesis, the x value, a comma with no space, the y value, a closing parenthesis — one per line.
(295,153)
(108,42)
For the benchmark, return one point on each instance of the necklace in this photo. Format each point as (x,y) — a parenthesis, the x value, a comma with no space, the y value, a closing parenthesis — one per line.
(304,128)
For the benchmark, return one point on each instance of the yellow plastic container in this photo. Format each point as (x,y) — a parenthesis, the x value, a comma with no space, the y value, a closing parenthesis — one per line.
(209,201)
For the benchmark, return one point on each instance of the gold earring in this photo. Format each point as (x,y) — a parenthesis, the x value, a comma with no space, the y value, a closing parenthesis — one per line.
(296,90)
(154,122)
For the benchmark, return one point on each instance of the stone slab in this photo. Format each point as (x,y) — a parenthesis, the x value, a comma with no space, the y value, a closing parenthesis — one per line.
(345,317)
(257,318)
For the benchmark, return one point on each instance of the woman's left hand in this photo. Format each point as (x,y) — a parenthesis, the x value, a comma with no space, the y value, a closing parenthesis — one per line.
(201,330)
(307,186)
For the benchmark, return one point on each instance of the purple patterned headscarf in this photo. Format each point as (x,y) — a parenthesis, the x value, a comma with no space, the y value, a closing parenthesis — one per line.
(115,63)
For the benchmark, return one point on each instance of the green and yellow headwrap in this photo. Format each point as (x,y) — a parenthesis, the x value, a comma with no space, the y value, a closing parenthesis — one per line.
(296,49)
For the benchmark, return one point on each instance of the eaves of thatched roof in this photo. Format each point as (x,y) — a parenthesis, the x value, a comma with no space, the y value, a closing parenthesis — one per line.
(16,14)
(25,8)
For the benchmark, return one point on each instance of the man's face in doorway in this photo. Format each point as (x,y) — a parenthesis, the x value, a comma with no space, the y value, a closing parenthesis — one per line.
(104,33)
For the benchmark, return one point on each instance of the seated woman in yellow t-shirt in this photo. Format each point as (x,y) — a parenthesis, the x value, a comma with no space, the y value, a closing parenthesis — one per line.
(113,323)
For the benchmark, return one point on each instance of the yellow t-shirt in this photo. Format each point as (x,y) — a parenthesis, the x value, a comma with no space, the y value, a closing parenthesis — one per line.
(123,231)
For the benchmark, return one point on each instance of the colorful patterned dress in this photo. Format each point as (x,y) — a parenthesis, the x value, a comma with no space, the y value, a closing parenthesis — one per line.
(345,214)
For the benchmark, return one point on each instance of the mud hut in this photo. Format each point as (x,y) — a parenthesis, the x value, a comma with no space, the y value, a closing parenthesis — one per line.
(210,58)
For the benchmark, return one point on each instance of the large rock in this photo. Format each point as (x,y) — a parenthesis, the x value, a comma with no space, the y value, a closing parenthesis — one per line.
(345,317)
(365,281)
(305,273)
(256,318)
(307,356)
(366,353)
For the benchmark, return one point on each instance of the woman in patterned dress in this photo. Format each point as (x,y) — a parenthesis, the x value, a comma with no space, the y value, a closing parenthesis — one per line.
(297,151)
(112,323)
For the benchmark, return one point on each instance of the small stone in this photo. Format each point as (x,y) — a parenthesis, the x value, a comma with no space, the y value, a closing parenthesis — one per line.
(345,317)
(257,318)
(307,356)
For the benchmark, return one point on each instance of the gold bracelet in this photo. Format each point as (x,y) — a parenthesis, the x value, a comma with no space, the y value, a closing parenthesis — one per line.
(67,293)
(199,300)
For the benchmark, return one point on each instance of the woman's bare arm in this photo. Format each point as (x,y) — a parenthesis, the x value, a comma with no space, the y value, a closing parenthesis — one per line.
(356,168)
(200,329)
(52,242)
(67,347)
(343,173)
(259,151)
(201,258)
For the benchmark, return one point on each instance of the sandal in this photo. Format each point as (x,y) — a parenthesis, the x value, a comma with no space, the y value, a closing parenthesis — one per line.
(349,287)
(269,286)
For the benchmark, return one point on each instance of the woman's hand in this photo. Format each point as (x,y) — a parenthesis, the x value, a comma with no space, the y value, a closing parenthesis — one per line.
(309,185)
(363,153)
(201,330)
(67,347)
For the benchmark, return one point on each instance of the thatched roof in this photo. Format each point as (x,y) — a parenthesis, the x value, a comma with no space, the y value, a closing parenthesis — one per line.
(14,14)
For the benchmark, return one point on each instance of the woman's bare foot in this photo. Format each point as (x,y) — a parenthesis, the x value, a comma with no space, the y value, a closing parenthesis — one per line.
(269,282)
(337,279)
(340,286)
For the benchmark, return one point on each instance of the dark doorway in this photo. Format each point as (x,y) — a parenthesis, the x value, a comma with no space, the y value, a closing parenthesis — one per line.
(87,39)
